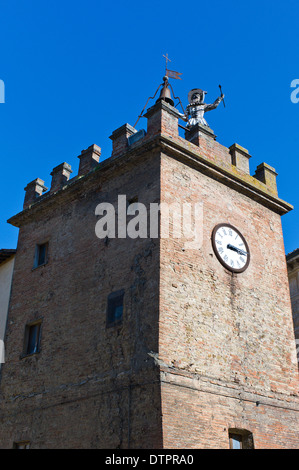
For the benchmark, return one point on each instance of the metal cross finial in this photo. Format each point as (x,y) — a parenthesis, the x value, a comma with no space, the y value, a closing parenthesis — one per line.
(167,60)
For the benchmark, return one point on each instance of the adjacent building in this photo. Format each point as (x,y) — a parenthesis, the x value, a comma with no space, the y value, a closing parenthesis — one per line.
(7,258)
(293,272)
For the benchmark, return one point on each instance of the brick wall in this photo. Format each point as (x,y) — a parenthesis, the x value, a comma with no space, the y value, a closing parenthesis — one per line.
(200,351)
(90,386)
(235,329)
(208,409)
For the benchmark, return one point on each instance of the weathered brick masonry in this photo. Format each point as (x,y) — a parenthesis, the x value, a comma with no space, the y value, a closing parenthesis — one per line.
(90,386)
(200,350)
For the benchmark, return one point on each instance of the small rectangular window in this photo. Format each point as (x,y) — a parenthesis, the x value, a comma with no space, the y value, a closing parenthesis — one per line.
(21,445)
(41,253)
(240,439)
(115,308)
(235,441)
(32,338)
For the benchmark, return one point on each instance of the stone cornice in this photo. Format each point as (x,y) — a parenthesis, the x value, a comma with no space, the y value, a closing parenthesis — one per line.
(245,184)
(293,256)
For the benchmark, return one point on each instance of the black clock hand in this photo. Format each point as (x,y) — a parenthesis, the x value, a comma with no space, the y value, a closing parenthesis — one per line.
(234,248)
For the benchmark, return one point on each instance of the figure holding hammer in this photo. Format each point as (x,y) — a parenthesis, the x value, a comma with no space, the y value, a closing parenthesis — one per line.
(196,107)
(222,95)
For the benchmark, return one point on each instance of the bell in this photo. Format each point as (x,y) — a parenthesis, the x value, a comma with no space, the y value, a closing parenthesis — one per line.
(165,94)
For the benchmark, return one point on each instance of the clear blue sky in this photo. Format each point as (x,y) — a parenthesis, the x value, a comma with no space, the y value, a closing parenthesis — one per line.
(76,70)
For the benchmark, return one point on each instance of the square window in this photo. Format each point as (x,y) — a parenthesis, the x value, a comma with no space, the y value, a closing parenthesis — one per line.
(32,338)
(240,439)
(115,308)
(41,253)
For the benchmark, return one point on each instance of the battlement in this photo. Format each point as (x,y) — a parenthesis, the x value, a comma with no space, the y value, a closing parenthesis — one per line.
(163,125)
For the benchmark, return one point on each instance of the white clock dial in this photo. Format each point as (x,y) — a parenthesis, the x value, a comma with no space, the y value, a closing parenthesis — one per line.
(230,247)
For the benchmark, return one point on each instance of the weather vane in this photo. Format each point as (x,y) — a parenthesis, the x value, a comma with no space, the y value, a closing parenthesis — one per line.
(171,73)
(165,93)
(196,108)
(166,60)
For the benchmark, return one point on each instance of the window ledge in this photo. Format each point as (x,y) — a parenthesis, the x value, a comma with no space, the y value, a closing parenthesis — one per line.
(114,324)
(22,356)
(39,266)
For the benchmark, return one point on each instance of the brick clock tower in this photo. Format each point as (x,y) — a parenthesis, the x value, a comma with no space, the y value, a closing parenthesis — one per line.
(151,342)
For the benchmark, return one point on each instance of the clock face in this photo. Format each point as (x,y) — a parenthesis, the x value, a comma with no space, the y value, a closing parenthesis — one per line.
(230,248)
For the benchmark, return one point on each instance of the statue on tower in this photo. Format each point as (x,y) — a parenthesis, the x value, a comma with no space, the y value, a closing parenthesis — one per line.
(196,107)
